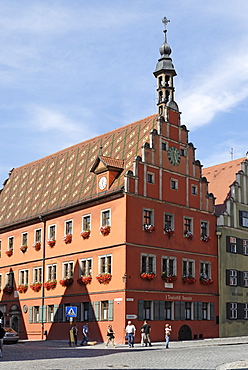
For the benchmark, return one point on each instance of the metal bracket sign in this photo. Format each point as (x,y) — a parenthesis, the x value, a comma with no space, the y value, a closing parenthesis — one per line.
(71,311)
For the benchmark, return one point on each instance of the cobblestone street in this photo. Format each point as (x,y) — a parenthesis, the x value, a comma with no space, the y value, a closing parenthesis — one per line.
(55,355)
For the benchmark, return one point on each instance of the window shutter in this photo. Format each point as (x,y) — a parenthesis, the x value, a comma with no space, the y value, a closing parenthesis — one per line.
(161,310)
(156,310)
(56,318)
(182,310)
(228,247)
(111,310)
(228,310)
(96,310)
(227,277)
(195,310)
(140,309)
(212,310)
(241,311)
(176,310)
(60,313)
(199,307)
(44,313)
(40,313)
(91,312)
(31,315)
(240,278)
(239,246)
(78,305)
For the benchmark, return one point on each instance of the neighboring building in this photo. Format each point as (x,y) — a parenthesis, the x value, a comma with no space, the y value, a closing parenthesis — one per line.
(120,226)
(229,183)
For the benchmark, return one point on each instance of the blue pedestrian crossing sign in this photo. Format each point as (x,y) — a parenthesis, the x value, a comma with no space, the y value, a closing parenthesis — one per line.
(71,311)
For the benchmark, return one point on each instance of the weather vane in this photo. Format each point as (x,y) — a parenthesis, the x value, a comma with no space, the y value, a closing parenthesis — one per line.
(165,21)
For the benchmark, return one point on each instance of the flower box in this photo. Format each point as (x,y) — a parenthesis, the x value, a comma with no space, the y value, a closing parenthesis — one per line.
(105,230)
(206,281)
(67,238)
(149,228)
(104,278)
(168,278)
(37,246)
(205,238)
(51,242)
(147,276)
(8,289)
(22,288)
(23,248)
(188,280)
(36,287)
(9,252)
(169,231)
(189,235)
(50,284)
(66,282)
(84,280)
(85,234)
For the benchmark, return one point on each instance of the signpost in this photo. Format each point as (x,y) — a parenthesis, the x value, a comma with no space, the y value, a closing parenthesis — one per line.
(71,311)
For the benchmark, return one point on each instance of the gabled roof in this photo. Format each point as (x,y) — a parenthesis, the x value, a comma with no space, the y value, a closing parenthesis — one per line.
(64,178)
(220,178)
(108,163)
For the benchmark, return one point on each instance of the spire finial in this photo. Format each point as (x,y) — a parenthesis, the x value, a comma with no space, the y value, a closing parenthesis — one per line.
(165,21)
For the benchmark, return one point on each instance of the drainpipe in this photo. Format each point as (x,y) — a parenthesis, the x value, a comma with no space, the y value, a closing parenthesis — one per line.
(219,234)
(43,275)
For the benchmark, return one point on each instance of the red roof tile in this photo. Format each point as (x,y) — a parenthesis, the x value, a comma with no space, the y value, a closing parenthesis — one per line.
(64,178)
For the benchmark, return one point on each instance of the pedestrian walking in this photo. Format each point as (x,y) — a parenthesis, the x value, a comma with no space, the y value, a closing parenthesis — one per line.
(75,333)
(86,333)
(168,330)
(130,332)
(145,334)
(110,336)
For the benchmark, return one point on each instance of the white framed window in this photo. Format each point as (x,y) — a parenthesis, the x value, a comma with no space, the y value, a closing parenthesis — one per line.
(36,314)
(169,310)
(168,221)
(85,267)
(246,311)
(245,247)
(205,269)
(86,222)
(50,313)
(205,311)
(187,225)
(23,277)
(105,264)
(37,235)
(194,189)
(104,306)
(148,216)
(245,278)
(188,267)
(52,232)
(85,311)
(233,311)
(150,178)
(233,277)
(106,217)
(37,274)
(169,265)
(233,245)
(67,269)
(25,238)
(148,263)
(204,229)
(68,227)
(10,243)
(188,310)
(174,184)
(52,272)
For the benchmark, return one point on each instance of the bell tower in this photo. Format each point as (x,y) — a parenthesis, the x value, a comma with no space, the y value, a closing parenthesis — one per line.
(164,73)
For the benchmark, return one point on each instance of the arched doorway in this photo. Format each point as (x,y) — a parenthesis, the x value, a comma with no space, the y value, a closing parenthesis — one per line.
(15,323)
(185,333)
(15,314)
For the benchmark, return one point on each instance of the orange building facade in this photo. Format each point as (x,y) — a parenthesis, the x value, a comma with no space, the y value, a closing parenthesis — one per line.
(120,226)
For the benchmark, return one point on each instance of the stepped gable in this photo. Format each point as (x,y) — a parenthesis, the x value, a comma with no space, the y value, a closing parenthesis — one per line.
(64,179)
(220,177)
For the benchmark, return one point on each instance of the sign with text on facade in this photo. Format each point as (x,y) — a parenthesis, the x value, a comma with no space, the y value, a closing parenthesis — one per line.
(129,299)
(178,297)
(131,317)
(71,311)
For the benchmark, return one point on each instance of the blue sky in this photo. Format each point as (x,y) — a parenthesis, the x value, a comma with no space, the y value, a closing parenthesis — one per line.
(72,70)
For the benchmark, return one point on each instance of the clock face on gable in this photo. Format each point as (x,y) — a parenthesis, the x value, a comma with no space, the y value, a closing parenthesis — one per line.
(174,156)
(102,183)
